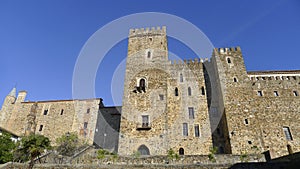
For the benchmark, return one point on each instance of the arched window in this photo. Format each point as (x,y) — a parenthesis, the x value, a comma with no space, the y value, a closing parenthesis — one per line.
(142,85)
(202,90)
(148,54)
(176,91)
(228,60)
(234,79)
(144,150)
(189,91)
(181,77)
(181,151)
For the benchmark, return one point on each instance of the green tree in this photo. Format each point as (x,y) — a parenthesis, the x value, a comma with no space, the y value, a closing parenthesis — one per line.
(67,144)
(6,147)
(31,147)
(211,155)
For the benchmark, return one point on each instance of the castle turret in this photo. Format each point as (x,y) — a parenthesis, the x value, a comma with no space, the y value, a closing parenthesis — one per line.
(7,106)
(21,96)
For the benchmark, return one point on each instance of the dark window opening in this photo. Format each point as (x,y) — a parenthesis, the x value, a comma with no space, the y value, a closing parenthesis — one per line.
(41,128)
(218,131)
(259,93)
(145,121)
(295,93)
(144,150)
(246,121)
(161,97)
(287,133)
(197,131)
(191,113)
(148,54)
(150,39)
(185,129)
(46,112)
(234,80)
(228,60)
(181,151)
(202,90)
(181,77)
(249,142)
(62,112)
(85,124)
(176,91)
(143,85)
(88,110)
(221,150)
(276,93)
(189,91)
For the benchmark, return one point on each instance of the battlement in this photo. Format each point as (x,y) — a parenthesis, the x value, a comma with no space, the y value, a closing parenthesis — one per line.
(227,50)
(148,31)
(274,75)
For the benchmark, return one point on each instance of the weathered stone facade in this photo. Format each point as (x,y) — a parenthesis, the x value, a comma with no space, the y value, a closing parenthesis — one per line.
(188,106)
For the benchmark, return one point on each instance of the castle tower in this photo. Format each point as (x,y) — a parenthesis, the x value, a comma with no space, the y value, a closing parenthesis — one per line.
(7,106)
(164,104)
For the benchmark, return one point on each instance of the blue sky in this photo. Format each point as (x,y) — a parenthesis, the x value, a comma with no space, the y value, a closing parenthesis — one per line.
(41,40)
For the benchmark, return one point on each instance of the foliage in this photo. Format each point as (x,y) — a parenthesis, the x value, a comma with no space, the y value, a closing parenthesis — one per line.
(244,157)
(211,155)
(6,147)
(67,144)
(172,155)
(101,154)
(32,146)
(136,154)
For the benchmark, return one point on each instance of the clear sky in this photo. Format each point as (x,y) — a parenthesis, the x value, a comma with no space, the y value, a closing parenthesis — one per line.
(40,40)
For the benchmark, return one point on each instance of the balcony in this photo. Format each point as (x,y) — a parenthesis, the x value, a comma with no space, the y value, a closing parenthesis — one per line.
(143,126)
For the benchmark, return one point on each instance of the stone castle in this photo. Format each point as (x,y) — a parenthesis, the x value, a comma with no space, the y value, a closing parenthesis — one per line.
(188,106)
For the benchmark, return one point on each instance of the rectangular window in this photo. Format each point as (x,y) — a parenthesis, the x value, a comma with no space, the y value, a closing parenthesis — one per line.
(287,133)
(145,121)
(246,121)
(259,93)
(191,113)
(85,124)
(161,97)
(185,130)
(276,93)
(88,110)
(62,112)
(41,128)
(197,131)
(46,112)
(295,93)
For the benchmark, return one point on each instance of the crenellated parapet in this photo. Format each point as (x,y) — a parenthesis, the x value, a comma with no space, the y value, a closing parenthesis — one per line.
(188,62)
(147,31)
(227,51)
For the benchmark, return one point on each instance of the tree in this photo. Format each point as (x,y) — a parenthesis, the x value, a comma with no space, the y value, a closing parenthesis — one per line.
(6,147)
(32,146)
(67,144)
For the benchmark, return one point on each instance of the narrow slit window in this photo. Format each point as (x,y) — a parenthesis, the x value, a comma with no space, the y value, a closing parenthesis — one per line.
(176,91)
(259,93)
(295,93)
(148,54)
(246,121)
(191,113)
(46,112)
(234,80)
(62,112)
(287,133)
(85,125)
(197,131)
(181,77)
(228,60)
(88,110)
(41,128)
(189,91)
(185,129)
(202,90)
(276,93)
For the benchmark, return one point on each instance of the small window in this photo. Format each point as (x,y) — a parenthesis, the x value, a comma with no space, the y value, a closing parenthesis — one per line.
(142,85)
(145,121)
(161,97)
(228,60)
(148,54)
(189,91)
(41,128)
(295,93)
(249,142)
(197,131)
(46,112)
(85,124)
(191,113)
(259,93)
(62,112)
(181,77)
(287,78)
(185,130)
(176,91)
(287,133)
(181,151)
(276,93)
(88,111)
(234,80)
(150,39)
(202,90)
(246,121)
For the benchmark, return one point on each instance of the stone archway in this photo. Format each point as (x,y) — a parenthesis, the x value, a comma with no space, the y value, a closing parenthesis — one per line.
(144,150)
